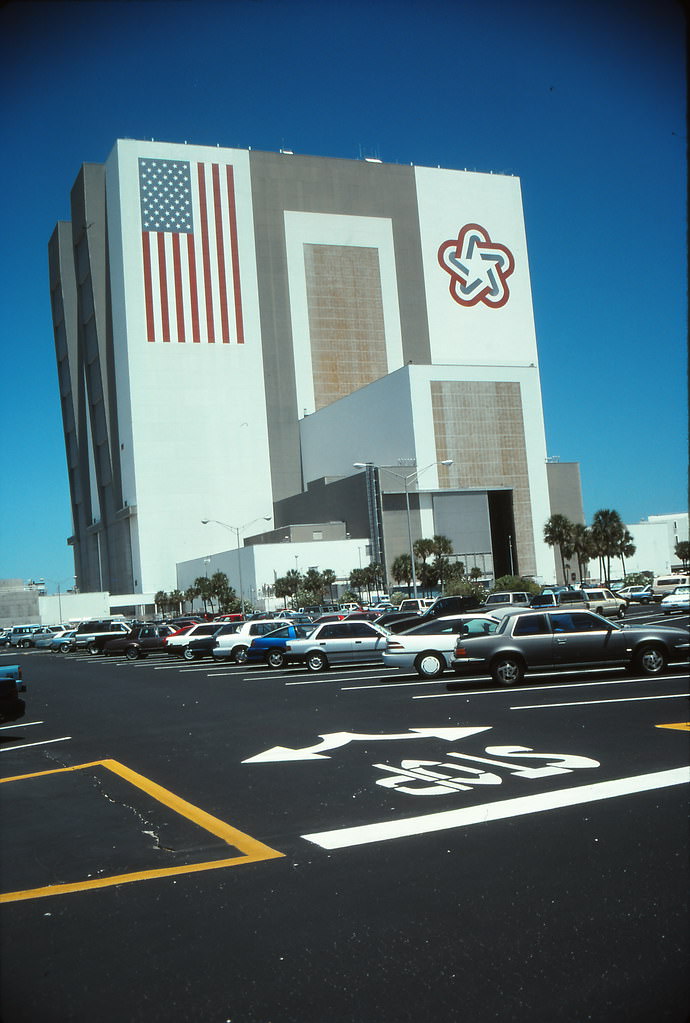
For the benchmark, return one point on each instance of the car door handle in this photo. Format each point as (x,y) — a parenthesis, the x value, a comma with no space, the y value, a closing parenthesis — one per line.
(561,642)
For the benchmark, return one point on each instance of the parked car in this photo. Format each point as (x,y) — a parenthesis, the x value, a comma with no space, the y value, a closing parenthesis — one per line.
(20,635)
(62,644)
(175,644)
(92,635)
(665,584)
(428,648)
(42,638)
(679,600)
(270,649)
(12,707)
(415,605)
(441,607)
(232,642)
(338,643)
(637,594)
(549,599)
(519,597)
(140,641)
(603,602)
(561,640)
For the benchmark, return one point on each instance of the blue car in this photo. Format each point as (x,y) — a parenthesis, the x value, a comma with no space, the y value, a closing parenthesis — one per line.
(270,649)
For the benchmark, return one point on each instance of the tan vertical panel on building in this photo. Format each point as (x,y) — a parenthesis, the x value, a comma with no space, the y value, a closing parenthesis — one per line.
(479,425)
(346,326)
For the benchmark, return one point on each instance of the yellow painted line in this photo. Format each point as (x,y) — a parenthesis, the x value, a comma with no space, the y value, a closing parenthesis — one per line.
(683,726)
(251,850)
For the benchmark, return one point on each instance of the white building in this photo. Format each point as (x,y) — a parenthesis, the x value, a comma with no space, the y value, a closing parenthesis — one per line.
(233,327)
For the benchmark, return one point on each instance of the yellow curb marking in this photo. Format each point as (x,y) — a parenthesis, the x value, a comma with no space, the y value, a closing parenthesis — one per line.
(683,726)
(252,850)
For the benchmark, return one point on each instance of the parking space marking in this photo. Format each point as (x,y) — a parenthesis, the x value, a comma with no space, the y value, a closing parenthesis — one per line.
(590,703)
(343,838)
(251,850)
(682,726)
(509,690)
(25,745)
(21,724)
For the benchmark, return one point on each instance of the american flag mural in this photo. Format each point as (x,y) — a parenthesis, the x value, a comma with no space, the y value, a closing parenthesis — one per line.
(190,252)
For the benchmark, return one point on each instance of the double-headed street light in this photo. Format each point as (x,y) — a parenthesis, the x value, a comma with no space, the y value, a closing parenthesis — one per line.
(237,530)
(407,480)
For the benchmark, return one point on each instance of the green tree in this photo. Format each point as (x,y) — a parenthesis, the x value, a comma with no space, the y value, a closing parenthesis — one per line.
(358,580)
(607,532)
(161,600)
(442,548)
(401,569)
(626,548)
(475,572)
(581,548)
(175,601)
(190,595)
(203,585)
(558,531)
(329,577)
(514,582)
(682,551)
(288,584)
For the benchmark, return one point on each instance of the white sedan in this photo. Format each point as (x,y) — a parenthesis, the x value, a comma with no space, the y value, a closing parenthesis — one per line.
(428,648)
(679,600)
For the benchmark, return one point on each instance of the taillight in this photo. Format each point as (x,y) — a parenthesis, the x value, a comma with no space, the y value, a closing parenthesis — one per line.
(394,646)
(460,651)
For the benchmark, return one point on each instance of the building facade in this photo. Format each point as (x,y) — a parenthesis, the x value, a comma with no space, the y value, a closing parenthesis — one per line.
(232,326)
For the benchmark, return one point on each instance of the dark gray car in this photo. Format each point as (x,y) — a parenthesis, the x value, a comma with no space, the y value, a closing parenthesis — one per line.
(556,640)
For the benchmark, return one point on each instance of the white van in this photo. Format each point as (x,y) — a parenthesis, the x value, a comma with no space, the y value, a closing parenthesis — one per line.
(665,584)
(415,605)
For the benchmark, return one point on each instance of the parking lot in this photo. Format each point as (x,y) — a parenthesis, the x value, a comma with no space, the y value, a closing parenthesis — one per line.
(214,842)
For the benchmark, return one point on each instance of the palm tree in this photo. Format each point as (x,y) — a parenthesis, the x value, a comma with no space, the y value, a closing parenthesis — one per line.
(329,577)
(190,595)
(401,569)
(442,548)
(626,548)
(161,600)
(581,548)
(682,551)
(607,531)
(558,531)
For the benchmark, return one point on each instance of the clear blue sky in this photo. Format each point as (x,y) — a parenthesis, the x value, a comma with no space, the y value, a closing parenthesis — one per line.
(583,100)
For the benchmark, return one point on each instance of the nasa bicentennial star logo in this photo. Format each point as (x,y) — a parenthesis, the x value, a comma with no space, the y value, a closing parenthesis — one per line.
(479,268)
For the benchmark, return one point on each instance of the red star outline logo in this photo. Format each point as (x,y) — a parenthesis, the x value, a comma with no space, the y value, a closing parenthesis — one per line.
(478,267)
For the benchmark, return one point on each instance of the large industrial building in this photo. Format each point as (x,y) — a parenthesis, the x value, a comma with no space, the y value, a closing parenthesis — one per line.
(272,342)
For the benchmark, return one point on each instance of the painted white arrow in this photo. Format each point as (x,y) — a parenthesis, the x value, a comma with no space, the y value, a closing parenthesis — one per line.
(332,740)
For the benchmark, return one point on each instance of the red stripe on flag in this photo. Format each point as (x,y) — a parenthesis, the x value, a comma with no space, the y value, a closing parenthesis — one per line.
(235,256)
(220,252)
(163,282)
(206,255)
(194,298)
(179,305)
(148,286)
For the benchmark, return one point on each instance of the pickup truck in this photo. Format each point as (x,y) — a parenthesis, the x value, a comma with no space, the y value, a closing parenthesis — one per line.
(11,685)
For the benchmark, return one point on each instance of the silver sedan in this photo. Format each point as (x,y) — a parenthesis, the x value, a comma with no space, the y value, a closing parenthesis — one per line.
(428,648)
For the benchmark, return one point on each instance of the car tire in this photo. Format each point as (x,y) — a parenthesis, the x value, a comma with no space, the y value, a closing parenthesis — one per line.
(94,649)
(239,654)
(430,664)
(507,670)
(189,654)
(131,653)
(317,661)
(275,659)
(650,660)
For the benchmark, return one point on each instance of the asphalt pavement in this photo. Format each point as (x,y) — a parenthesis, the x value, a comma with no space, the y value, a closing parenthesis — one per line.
(208,842)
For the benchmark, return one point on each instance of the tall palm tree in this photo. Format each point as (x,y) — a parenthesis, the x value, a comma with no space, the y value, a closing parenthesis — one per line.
(607,530)
(329,577)
(581,548)
(441,549)
(626,548)
(401,569)
(558,531)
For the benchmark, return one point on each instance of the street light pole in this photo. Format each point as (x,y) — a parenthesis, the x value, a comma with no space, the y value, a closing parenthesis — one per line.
(237,530)
(413,476)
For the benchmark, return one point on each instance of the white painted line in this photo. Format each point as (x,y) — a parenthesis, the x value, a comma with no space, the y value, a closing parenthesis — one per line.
(589,703)
(394,685)
(25,745)
(509,690)
(21,724)
(344,838)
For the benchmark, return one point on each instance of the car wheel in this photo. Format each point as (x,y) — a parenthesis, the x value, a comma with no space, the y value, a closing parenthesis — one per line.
(317,661)
(189,654)
(131,653)
(239,654)
(430,664)
(507,670)
(650,660)
(275,658)
(94,648)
